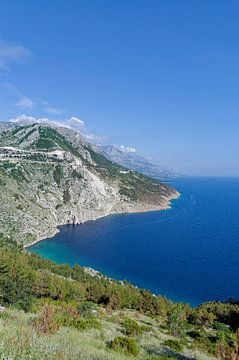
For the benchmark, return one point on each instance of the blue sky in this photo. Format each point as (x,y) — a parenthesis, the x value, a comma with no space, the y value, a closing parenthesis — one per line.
(160,76)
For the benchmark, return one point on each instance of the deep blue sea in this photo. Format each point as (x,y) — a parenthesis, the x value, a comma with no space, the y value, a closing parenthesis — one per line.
(188,253)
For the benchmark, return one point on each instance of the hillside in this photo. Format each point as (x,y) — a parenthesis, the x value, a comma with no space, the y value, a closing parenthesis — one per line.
(52,176)
(60,312)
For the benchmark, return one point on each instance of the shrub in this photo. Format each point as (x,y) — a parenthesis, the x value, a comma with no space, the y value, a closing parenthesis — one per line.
(205,343)
(226,313)
(161,357)
(176,318)
(125,345)
(46,322)
(221,327)
(84,324)
(86,309)
(224,351)
(175,345)
(58,174)
(5,315)
(16,280)
(200,316)
(131,327)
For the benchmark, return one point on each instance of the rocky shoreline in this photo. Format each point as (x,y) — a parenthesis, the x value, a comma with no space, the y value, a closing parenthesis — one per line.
(56,230)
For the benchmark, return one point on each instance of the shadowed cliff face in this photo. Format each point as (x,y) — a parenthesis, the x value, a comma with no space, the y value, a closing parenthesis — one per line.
(52,176)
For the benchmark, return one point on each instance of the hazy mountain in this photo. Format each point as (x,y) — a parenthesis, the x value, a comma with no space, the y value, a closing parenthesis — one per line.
(131,160)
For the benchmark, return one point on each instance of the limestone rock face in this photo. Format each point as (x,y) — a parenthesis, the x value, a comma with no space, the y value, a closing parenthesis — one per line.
(52,176)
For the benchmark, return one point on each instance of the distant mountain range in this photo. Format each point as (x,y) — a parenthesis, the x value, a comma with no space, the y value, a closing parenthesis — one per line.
(131,160)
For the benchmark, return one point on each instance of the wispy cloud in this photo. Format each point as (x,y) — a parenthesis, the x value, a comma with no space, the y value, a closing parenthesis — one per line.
(28,120)
(95,139)
(12,53)
(25,103)
(54,111)
(128,149)
(76,122)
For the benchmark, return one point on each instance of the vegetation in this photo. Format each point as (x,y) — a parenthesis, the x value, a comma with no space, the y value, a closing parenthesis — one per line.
(124,321)
(58,174)
(125,344)
(131,327)
(56,311)
(174,345)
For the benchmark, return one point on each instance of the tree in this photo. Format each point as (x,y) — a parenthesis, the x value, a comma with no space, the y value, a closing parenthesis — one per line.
(16,280)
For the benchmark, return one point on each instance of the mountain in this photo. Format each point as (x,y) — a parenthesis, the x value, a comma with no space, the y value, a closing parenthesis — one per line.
(5,125)
(52,176)
(133,161)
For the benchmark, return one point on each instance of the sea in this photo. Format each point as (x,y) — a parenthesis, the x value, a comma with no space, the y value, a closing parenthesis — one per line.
(188,253)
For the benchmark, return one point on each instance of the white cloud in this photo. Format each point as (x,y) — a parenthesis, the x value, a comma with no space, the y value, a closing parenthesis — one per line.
(128,149)
(10,53)
(95,139)
(73,123)
(55,111)
(25,103)
(76,122)
(27,120)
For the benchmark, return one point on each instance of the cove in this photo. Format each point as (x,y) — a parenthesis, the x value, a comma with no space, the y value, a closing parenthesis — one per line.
(188,253)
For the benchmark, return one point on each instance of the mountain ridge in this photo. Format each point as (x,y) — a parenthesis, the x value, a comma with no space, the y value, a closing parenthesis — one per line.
(133,161)
(52,176)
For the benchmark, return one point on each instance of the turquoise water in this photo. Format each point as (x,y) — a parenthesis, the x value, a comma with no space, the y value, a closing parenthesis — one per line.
(188,253)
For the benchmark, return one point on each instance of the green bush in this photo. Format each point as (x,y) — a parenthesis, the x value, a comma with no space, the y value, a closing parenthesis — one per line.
(203,343)
(161,357)
(221,327)
(125,344)
(131,327)
(207,313)
(16,280)
(194,334)
(175,345)
(46,323)
(86,309)
(201,317)
(84,324)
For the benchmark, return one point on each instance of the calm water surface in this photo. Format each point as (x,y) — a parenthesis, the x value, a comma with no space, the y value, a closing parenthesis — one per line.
(188,253)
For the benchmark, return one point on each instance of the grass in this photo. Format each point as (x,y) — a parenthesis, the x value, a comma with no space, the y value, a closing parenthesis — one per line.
(20,340)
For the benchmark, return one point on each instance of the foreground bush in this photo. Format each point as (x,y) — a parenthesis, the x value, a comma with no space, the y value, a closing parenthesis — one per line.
(161,357)
(176,318)
(205,314)
(46,323)
(224,351)
(174,345)
(84,324)
(131,327)
(16,280)
(86,309)
(125,345)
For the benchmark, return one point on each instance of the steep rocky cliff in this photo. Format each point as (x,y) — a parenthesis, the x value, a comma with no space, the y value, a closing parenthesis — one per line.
(52,176)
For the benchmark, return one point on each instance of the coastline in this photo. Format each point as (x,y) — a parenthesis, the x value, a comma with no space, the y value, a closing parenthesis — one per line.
(129,211)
